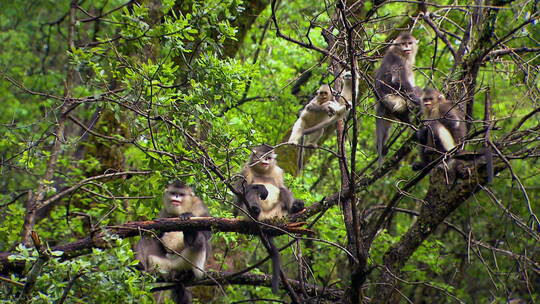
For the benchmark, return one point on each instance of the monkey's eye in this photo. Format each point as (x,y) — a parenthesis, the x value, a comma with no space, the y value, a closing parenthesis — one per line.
(176,193)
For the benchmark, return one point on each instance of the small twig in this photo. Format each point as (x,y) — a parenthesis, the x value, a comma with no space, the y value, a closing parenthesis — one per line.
(439,34)
(69,286)
(4,279)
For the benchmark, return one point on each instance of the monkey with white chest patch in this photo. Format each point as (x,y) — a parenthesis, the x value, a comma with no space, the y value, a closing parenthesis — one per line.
(396,92)
(443,130)
(265,196)
(344,103)
(319,111)
(264,188)
(177,251)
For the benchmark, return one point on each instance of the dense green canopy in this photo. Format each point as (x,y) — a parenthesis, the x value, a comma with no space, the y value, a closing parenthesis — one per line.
(106,101)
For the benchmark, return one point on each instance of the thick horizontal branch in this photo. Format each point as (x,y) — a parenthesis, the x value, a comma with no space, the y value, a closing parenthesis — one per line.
(131,229)
(224,278)
(209,223)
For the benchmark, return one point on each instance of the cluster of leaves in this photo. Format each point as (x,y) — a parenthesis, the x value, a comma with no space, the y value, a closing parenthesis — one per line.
(156,79)
(103,276)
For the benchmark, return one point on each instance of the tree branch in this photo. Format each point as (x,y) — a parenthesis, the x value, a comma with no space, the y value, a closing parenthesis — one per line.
(224,278)
(439,203)
(131,229)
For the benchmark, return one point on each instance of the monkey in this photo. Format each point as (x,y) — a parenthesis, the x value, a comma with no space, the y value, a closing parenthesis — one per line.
(344,101)
(265,196)
(394,86)
(319,110)
(176,252)
(263,186)
(444,127)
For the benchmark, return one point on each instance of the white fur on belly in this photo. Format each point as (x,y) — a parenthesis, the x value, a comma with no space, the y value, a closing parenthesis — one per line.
(173,241)
(446,138)
(272,199)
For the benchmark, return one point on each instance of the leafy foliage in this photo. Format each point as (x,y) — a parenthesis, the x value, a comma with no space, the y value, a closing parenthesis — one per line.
(153,88)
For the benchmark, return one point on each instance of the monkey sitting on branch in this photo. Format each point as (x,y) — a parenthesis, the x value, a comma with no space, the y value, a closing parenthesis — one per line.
(177,252)
(444,129)
(345,103)
(265,196)
(394,85)
(318,112)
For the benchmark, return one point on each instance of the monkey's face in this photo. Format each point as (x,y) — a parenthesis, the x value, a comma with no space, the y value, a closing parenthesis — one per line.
(324,94)
(263,162)
(406,46)
(178,200)
(430,101)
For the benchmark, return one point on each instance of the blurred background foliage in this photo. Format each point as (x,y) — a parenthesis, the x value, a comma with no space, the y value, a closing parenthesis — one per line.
(154,77)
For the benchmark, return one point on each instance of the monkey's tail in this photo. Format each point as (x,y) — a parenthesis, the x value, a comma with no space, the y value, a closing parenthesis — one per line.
(276,263)
(300,159)
(180,294)
(381,132)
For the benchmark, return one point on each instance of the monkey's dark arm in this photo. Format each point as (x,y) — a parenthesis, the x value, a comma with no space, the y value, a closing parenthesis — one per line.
(453,121)
(195,239)
(407,90)
(286,198)
(240,187)
(421,136)
(148,246)
(289,204)
(254,194)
